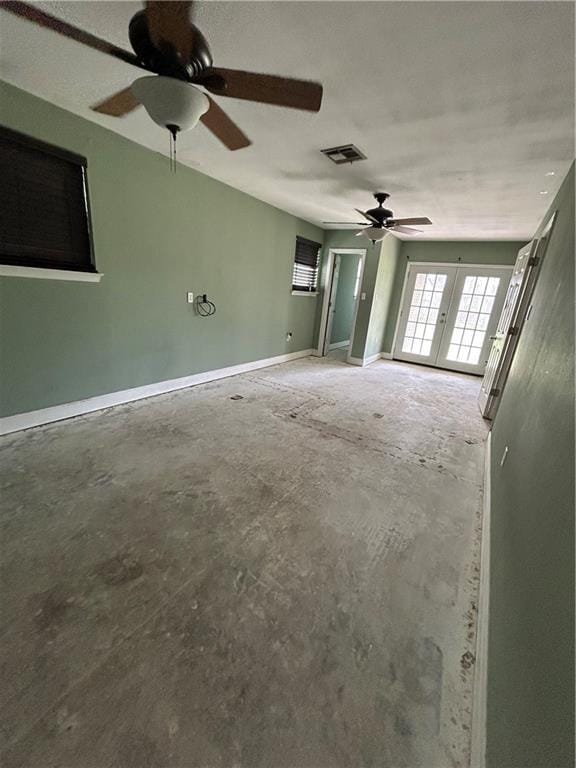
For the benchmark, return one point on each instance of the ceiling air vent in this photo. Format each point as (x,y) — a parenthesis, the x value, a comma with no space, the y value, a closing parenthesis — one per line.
(345,154)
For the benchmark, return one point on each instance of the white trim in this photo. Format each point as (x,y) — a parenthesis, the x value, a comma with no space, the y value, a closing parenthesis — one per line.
(387,355)
(314,294)
(363,362)
(459,264)
(8,270)
(478,745)
(361,252)
(79,407)
(339,344)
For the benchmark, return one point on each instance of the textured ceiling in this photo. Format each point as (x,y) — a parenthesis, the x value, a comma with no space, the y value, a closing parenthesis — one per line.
(462,108)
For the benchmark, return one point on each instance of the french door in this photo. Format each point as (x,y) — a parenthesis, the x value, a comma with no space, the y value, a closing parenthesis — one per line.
(449,314)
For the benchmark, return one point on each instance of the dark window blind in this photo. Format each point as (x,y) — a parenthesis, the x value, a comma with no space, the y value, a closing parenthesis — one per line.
(44,215)
(305,272)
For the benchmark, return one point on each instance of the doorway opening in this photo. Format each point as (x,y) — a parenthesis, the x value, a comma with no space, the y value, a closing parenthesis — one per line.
(449,313)
(344,271)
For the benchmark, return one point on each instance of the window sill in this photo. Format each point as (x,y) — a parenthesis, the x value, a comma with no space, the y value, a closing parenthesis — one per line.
(8,270)
(304,293)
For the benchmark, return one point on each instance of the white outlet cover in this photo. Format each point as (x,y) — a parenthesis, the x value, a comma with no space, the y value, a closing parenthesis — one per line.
(190,297)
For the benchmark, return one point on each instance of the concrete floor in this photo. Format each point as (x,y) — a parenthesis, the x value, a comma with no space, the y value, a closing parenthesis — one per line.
(286,580)
(339,354)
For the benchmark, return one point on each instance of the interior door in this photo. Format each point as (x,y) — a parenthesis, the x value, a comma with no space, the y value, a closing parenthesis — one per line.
(475,308)
(423,314)
(332,303)
(514,314)
(505,324)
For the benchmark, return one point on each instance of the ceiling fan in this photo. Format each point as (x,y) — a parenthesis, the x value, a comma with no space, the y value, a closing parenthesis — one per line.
(381,220)
(169,46)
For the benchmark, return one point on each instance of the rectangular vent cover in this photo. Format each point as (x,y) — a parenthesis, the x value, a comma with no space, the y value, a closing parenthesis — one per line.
(345,154)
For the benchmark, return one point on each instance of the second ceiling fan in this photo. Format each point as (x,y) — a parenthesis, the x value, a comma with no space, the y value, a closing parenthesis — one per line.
(167,44)
(380,221)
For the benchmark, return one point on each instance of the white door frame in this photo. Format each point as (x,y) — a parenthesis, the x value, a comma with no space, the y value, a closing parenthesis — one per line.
(431,265)
(361,252)
(333,293)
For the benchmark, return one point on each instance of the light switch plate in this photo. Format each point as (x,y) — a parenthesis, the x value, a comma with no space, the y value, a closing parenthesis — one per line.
(190,297)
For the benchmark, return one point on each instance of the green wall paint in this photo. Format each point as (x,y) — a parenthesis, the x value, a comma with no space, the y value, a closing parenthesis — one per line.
(344,303)
(380,317)
(156,235)
(465,252)
(531,636)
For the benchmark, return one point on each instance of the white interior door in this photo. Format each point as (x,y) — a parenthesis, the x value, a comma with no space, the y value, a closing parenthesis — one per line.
(515,313)
(476,305)
(423,314)
(332,303)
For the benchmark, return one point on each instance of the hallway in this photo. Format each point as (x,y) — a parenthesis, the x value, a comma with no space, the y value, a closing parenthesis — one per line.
(276,569)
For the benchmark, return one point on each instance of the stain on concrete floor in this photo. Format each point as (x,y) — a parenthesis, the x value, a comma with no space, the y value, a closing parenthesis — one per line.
(289,582)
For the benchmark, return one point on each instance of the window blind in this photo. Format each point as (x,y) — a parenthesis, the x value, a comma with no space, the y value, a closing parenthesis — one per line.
(44,216)
(305,272)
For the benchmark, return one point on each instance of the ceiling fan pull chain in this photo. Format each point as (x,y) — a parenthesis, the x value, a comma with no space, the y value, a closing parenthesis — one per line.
(173,130)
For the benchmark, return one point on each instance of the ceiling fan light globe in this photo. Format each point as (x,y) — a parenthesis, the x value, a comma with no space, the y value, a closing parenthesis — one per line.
(171,102)
(375,234)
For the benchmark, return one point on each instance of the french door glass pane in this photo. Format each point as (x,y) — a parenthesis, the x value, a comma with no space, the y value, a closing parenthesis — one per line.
(423,313)
(474,309)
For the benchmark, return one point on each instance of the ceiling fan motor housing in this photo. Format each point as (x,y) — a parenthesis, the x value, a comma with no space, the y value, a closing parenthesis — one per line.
(381,214)
(166,61)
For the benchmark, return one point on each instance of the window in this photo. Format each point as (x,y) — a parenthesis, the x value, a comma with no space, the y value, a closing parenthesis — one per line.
(305,272)
(44,213)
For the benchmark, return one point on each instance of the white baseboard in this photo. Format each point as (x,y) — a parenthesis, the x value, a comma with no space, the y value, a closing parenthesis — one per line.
(339,344)
(363,361)
(387,355)
(20,421)
(478,745)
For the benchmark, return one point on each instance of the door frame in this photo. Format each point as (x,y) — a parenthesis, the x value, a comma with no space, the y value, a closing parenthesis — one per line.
(327,296)
(431,265)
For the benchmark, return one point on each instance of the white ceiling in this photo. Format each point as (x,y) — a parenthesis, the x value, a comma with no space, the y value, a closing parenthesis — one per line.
(462,108)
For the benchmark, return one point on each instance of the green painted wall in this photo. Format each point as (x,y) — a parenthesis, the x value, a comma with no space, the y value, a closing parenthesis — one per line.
(344,302)
(531,635)
(380,317)
(465,252)
(157,235)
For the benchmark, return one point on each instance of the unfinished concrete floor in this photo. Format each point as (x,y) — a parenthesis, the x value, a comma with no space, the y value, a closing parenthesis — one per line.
(285,580)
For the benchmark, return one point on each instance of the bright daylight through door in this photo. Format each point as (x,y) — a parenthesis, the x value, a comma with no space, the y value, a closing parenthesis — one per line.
(423,313)
(449,315)
(471,324)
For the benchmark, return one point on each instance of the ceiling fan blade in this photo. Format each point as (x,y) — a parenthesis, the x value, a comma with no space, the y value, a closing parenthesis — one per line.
(266,89)
(414,220)
(169,25)
(224,128)
(348,223)
(119,104)
(404,230)
(43,19)
(367,216)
